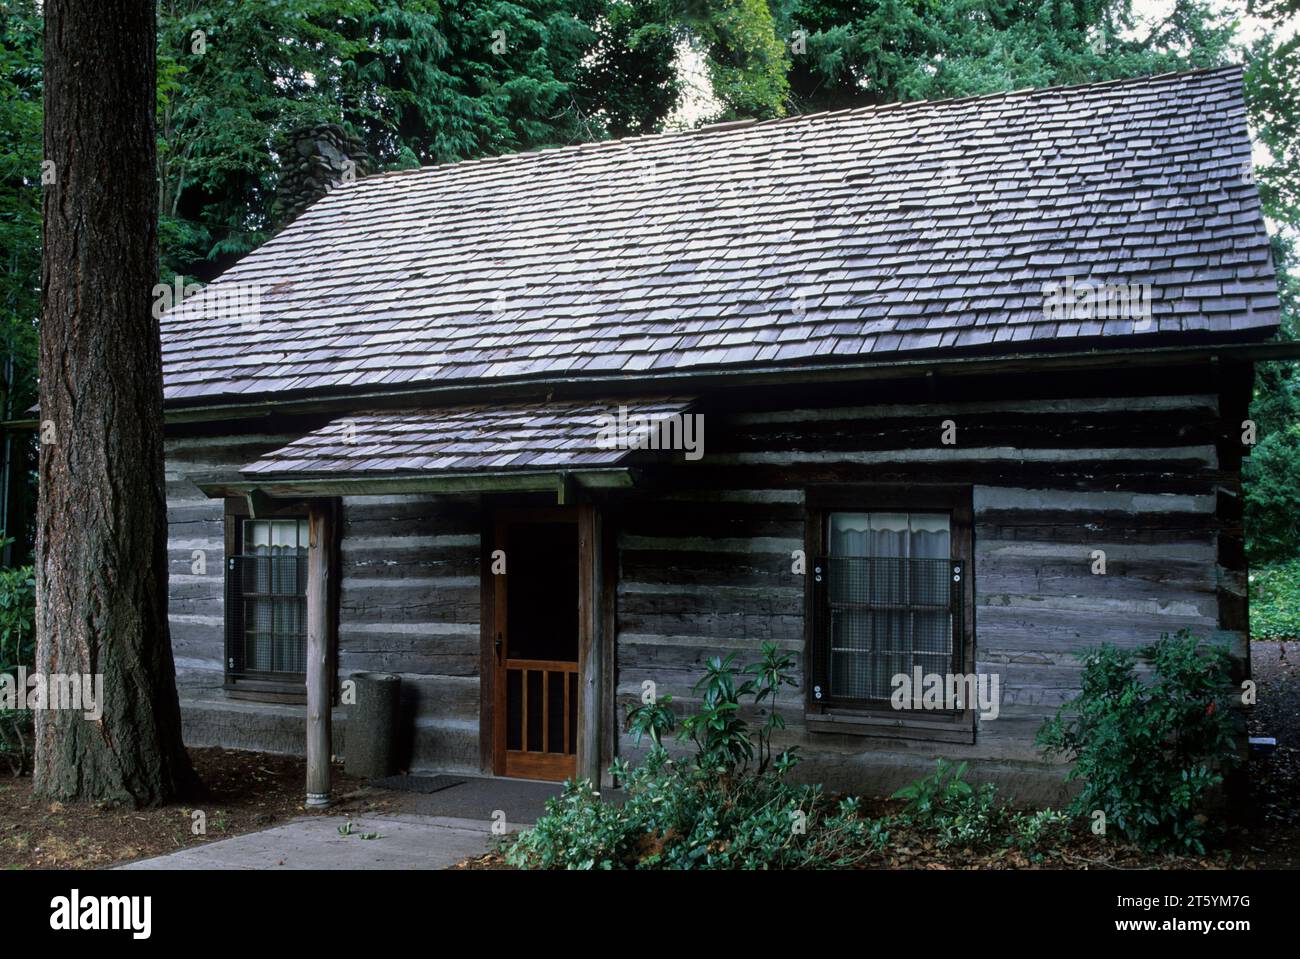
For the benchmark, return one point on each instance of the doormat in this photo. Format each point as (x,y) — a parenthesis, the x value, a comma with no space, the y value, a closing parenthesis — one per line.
(416,784)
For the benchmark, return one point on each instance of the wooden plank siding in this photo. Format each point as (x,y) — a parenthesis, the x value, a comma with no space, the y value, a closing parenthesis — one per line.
(697,557)
(196,523)
(407,603)
(705,555)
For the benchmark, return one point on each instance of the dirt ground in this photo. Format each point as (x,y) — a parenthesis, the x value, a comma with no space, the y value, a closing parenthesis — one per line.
(1275,781)
(246,792)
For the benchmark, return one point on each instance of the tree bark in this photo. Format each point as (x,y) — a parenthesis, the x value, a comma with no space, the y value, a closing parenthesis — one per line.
(101,604)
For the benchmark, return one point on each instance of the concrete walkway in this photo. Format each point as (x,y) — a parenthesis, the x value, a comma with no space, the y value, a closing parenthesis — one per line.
(411,831)
(314,842)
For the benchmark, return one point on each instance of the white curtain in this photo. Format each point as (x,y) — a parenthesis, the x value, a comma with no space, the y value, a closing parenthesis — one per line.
(274,615)
(879,623)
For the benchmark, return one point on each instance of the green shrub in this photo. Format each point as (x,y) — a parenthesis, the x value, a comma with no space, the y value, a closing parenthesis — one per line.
(1149,751)
(709,812)
(17,648)
(723,741)
(1033,831)
(684,816)
(1275,601)
(957,813)
(17,618)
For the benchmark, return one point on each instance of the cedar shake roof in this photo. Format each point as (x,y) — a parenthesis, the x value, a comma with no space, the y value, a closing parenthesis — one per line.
(527,436)
(870,233)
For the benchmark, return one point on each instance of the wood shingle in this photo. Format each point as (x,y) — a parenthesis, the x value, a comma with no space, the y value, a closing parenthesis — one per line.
(898,229)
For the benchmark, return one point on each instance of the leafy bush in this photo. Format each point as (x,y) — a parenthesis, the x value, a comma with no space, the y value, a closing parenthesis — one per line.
(721,738)
(17,618)
(17,648)
(684,816)
(709,812)
(1275,601)
(1149,752)
(960,814)
(1032,831)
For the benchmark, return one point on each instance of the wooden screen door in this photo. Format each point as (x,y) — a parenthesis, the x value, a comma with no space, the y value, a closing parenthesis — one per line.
(536,647)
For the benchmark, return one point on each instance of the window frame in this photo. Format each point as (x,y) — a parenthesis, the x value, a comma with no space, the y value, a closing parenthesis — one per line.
(266,689)
(865,719)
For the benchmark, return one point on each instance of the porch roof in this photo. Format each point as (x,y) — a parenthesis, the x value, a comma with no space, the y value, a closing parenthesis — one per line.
(465,441)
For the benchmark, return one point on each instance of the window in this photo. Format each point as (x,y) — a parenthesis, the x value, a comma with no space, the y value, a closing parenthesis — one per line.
(889,595)
(266,601)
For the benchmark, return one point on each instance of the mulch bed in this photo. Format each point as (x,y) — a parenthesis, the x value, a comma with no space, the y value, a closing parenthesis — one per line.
(246,792)
(913,849)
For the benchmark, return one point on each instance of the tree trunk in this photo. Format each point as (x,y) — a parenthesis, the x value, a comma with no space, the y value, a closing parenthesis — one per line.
(101,605)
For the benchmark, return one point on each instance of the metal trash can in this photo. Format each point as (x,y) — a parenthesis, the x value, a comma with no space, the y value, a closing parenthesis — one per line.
(370,741)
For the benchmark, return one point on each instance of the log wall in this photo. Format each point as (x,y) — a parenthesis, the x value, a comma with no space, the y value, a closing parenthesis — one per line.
(196,554)
(408,603)
(705,559)
(1145,469)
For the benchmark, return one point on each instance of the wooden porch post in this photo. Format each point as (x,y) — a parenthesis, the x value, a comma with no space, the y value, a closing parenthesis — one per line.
(320,688)
(590,644)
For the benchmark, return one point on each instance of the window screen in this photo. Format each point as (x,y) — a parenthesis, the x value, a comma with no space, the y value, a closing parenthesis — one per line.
(267,600)
(890,600)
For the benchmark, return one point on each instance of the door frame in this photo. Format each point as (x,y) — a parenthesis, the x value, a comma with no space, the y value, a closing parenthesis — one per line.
(590,629)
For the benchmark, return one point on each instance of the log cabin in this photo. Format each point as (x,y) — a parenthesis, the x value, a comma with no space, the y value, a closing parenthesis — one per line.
(954,388)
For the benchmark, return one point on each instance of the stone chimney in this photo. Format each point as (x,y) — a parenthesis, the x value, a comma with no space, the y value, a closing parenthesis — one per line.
(312,161)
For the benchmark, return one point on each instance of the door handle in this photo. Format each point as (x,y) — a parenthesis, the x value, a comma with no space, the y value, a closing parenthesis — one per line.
(497,647)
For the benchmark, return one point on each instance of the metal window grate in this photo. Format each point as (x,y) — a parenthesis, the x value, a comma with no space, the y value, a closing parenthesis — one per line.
(266,615)
(880,616)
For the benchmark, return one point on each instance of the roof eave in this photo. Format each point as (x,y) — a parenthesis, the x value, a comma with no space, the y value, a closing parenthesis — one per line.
(694,379)
(563,483)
